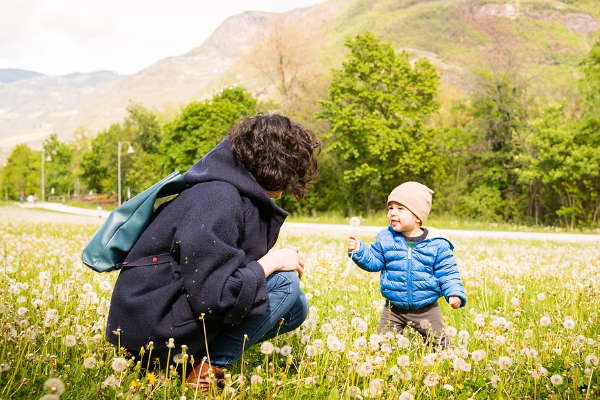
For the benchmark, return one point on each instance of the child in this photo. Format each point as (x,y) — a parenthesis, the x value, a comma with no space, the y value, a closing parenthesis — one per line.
(416,267)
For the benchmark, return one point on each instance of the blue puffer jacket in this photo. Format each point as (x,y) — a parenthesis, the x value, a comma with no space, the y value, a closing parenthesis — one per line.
(412,278)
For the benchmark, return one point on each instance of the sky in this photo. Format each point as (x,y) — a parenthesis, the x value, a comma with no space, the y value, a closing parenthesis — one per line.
(57,37)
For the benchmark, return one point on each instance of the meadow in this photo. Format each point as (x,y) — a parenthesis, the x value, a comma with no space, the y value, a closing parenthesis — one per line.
(531,327)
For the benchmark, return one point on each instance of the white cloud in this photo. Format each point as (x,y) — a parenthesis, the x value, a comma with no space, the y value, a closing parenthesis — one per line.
(63,36)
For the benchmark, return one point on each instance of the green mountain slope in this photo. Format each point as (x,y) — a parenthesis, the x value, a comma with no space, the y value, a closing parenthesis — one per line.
(545,39)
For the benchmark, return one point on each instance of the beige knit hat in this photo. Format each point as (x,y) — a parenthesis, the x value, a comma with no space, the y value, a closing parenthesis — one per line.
(414,196)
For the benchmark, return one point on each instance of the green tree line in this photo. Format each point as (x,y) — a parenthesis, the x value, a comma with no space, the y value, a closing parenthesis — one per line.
(498,155)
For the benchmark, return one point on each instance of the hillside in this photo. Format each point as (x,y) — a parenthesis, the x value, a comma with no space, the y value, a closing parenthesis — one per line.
(545,38)
(31,109)
(10,75)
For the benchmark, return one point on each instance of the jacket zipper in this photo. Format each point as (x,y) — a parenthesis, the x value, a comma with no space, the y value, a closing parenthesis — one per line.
(409,271)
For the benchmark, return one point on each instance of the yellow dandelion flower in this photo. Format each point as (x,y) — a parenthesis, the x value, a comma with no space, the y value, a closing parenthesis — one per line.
(151,378)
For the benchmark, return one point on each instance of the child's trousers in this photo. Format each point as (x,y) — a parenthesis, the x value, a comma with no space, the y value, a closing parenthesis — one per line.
(426,320)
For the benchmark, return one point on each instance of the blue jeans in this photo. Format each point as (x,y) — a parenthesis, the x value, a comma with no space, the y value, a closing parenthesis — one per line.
(286,301)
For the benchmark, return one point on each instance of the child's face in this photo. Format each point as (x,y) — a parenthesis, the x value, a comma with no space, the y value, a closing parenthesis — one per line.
(402,220)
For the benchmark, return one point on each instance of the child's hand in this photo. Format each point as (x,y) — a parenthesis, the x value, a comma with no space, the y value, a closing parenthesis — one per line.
(454,301)
(353,243)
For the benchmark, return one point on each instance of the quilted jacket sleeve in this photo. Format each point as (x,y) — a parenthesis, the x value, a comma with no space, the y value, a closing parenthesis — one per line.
(369,258)
(446,271)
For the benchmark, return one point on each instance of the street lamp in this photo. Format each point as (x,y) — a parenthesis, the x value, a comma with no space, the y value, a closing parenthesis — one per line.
(129,150)
(49,158)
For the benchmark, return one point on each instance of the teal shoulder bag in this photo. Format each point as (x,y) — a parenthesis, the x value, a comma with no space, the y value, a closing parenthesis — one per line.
(112,242)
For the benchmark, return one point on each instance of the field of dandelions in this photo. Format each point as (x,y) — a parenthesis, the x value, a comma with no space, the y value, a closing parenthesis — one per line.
(530,329)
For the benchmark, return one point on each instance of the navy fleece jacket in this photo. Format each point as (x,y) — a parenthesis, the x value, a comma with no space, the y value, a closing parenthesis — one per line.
(215,230)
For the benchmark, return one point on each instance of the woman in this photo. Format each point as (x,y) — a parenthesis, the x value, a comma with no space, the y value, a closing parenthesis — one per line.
(204,265)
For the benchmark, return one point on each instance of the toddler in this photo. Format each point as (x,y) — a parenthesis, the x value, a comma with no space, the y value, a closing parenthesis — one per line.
(416,267)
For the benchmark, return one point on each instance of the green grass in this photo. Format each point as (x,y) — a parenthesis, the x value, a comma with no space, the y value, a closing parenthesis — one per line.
(512,287)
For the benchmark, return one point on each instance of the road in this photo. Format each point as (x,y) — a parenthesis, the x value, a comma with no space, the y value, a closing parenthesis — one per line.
(372,230)
(559,237)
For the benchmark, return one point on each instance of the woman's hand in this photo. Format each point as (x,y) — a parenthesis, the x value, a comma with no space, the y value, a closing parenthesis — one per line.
(353,243)
(283,260)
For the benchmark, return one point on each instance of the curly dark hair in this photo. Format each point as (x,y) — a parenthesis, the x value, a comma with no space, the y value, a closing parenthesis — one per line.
(280,154)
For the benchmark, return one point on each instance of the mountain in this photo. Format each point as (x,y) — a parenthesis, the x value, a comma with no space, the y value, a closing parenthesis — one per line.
(31,109)
(8,75)
(546,38)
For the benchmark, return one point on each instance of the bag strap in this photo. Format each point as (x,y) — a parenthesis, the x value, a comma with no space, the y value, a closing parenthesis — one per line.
(144,261)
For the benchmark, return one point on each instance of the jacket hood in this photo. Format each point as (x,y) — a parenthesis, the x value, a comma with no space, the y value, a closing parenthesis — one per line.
(220,164)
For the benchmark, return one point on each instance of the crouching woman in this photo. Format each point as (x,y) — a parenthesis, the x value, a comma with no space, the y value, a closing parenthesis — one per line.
(202,273)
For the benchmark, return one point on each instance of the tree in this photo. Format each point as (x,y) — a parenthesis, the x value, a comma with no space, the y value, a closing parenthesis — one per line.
(567,160)
(201,126)
(58,173)
(22,171)
(500,105)
(99,164)
(283,53)
(376,108)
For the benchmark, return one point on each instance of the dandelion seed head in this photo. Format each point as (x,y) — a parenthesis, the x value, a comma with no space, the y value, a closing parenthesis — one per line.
(403,360)
(541,296)
(54,386)
(556,379)
(266,348)
(70,341)
(406,396)
(529,352)
(478,355)
(119,364)
(431,379)
(311,350)
(255,380)
(504,362)
(451,331)
(403,341)
(479,320)
(592,360)
(286,351)
(90,363)
(500,340)
(365,369)
(569,323)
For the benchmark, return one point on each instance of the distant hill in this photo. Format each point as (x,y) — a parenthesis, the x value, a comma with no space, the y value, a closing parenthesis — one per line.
(8,75)
(31,109)
(547,37)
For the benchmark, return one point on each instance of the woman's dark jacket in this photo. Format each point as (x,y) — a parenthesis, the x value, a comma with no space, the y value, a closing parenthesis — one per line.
(215,231)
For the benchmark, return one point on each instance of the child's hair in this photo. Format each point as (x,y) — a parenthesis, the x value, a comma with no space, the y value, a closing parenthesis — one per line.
(280,154)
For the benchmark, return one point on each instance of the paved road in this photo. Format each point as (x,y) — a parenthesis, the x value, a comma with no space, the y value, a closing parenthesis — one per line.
(346,229)
(560,237)
(67,209)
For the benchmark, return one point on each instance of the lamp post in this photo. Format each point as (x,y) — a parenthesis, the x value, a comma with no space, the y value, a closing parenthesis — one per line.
(49,158)
(129,150)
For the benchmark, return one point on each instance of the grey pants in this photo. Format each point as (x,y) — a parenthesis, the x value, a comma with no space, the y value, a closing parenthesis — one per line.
(426,320)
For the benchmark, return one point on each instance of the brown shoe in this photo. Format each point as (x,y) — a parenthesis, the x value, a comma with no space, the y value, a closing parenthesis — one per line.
(203,375)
